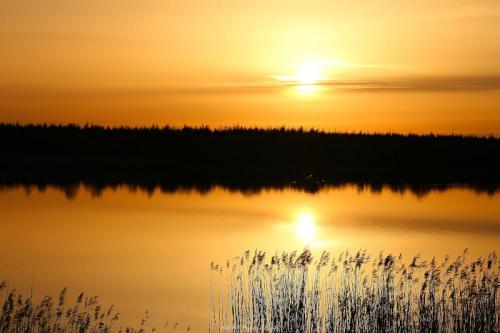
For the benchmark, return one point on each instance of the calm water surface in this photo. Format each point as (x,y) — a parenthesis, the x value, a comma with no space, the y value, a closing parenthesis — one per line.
(153,252)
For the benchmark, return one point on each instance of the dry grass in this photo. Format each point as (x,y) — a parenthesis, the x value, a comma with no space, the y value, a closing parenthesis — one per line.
(293,292)
(53,315)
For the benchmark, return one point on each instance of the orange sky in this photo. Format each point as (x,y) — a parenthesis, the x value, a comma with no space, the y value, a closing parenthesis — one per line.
(376,66)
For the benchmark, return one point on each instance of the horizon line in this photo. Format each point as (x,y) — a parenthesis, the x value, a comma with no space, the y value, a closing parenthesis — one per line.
(237,127)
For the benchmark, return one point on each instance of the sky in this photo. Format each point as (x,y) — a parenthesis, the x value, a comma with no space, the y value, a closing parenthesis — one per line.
(376,66)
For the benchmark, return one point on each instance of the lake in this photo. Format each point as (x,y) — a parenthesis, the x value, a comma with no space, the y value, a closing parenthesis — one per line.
(152,250)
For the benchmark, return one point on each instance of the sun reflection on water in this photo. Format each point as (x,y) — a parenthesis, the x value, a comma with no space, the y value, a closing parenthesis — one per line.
(305,227)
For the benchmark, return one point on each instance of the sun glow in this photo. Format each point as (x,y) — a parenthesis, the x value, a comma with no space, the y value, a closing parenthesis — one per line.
(305,227)
(310,76)
(306,89)
(309,73)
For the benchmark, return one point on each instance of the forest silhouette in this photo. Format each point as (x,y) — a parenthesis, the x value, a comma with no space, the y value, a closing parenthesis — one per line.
(243,159)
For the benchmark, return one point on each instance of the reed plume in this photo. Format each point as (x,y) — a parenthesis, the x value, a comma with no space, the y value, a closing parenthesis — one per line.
(351,292)
(86,315)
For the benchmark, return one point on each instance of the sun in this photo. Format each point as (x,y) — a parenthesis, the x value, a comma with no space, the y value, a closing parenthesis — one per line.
(305,227)
(309,73)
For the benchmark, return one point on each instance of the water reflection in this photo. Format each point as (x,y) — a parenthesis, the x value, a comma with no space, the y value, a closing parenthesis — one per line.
(144,248)
(305,227)
(96,189)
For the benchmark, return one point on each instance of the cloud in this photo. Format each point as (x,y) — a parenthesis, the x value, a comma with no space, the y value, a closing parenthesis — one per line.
(409,84)
(403,84)
(425,84)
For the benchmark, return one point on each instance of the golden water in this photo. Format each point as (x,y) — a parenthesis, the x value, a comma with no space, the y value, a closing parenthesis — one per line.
(153,252)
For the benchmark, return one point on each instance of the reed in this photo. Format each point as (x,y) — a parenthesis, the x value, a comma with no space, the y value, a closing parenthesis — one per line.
(53,315)
(352,292)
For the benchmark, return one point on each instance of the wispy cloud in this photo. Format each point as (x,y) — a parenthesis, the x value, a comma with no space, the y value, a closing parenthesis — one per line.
(408,83)
(401,84)
(429,83)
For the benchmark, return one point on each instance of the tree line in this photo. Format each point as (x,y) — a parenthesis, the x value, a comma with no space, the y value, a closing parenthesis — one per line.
(240,154)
